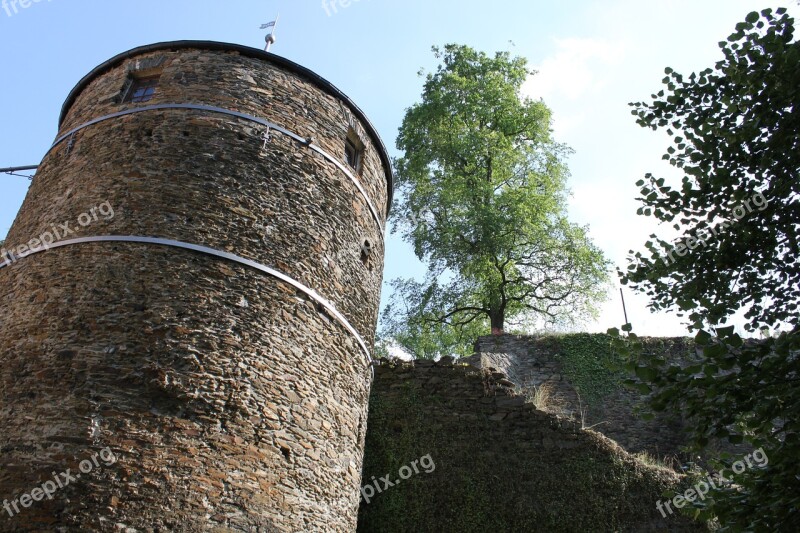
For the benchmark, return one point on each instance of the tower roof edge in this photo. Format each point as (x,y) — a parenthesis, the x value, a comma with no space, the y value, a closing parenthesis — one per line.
(247,51)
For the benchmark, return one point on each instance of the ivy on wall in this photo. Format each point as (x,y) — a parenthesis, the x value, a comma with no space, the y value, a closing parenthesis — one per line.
(524,473)
(590,364)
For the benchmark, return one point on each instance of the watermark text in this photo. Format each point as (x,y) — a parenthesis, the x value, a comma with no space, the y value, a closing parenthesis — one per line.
(405,472)
(59,481)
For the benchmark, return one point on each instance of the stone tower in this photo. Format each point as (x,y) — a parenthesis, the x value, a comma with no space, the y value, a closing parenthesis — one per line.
(190,293)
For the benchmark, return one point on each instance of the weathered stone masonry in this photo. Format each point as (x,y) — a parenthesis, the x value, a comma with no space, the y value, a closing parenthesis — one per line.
(531,361)
(501,464)
(230,399)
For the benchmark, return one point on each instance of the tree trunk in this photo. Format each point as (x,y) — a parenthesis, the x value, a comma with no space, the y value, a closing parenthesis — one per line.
(497,319)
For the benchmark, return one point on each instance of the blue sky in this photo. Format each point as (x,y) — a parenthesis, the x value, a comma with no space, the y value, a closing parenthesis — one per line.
(593,57)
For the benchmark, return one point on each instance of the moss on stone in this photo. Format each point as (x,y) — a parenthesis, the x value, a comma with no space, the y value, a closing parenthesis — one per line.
(590,364)
(497,468)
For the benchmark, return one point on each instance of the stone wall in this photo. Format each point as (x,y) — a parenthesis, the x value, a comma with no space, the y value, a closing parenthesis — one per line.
(230,399)
(500,464)
(532,362)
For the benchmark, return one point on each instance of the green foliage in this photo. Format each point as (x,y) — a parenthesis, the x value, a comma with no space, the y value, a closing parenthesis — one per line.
(737,138)
(591,365)
(716,396)
(421,336)
(736,133)
(481,197)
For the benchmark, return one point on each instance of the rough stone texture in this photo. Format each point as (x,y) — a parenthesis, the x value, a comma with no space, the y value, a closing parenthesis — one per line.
(500,464)
(534,361)
(230,401)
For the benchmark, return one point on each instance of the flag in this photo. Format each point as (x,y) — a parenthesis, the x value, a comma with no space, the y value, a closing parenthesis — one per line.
(268,25)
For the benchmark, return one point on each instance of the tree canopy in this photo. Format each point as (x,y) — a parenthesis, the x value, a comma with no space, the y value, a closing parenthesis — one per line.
(734,129)
(482,189)
(736,137)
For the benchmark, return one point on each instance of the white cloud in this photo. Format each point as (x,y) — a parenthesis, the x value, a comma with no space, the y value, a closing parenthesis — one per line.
(576,68)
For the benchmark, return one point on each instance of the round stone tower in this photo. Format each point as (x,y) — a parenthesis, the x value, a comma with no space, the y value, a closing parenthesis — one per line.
(190,293)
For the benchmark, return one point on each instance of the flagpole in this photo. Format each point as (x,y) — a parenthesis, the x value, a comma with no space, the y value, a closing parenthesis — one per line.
(271,37)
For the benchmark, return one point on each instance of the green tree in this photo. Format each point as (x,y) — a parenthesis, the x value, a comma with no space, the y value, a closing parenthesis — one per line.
(736,130)
(421,338)
(482,189)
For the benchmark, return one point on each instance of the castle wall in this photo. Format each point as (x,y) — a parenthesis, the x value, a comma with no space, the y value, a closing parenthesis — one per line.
(534,362)
(500,464)
(229,398)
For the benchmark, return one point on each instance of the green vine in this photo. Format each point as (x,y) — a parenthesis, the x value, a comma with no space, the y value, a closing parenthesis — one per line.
(519,474)
(590,364)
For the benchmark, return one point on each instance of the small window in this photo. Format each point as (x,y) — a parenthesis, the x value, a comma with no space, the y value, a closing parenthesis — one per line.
(366,254)
(351,154)
(353,151)
(366,250)
(142,89)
